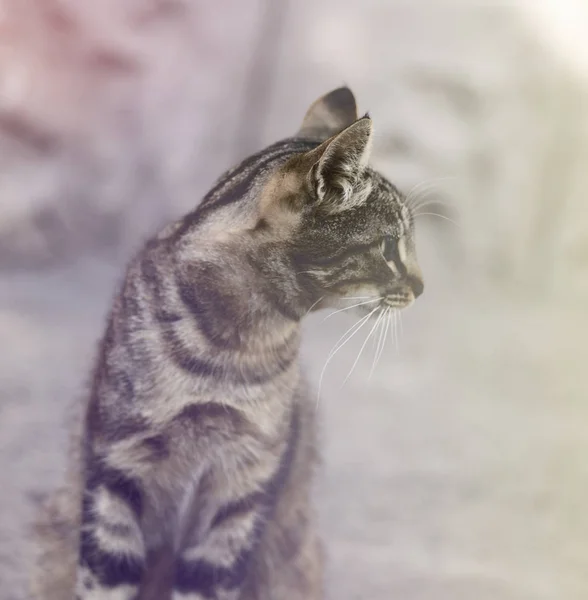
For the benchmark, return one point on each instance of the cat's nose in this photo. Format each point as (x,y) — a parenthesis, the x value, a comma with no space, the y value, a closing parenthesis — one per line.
(416,285)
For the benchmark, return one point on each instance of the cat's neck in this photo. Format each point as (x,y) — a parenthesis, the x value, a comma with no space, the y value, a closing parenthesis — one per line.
(243,302)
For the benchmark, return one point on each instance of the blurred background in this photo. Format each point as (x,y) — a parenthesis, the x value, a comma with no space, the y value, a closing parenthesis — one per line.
(458,470)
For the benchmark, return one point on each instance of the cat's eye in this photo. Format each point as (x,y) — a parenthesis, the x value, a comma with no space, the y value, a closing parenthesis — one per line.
(389,247)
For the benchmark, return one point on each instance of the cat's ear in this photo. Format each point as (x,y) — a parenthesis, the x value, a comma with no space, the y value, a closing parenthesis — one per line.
(335,178)
(329,114)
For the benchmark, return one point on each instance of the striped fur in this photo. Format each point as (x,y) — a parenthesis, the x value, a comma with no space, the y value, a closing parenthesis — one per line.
(198,443)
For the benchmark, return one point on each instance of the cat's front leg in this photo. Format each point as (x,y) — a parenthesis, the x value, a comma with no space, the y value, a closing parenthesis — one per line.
(111,559)
(216,566)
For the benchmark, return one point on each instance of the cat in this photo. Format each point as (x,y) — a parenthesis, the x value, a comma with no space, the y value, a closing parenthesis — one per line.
(199,444)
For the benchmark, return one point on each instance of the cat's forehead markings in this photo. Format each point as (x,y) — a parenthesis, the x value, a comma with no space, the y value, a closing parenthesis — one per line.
(405,219)
(398,228)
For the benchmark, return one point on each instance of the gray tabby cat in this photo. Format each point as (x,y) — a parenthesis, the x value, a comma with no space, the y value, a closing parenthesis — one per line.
(199,437)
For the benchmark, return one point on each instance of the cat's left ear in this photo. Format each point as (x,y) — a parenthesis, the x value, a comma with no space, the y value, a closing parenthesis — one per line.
(329,114)
(335,178)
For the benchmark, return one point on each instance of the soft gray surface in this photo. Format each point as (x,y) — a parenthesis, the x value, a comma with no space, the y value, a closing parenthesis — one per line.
(458,471)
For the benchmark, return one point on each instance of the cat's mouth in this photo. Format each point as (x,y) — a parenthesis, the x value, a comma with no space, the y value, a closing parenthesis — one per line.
(375,305)
(400,299)
(370,300)
(397,300)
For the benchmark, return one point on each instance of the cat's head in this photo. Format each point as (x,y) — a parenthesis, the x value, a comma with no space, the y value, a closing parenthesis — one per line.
(350,233)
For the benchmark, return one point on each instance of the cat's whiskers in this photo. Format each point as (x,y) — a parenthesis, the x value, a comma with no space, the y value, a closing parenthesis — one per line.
(342,341)
(434,214)
(388,326)
(377,340)
(424,202)
(362,347)
(339,344)
(313,305)
(346,298)
(415,190)
(381,341)
(419,198)
(428,184)
(429,198)
(422,193)
(352,306)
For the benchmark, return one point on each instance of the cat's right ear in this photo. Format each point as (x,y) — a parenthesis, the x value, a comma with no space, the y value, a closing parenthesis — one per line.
(329,115)
(327,178)
(335,177)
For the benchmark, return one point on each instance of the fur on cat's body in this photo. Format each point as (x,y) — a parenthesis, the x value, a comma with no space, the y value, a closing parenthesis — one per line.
(198,443)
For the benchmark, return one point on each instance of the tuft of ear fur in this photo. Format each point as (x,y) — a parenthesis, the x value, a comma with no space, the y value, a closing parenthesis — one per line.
(335,178)
(329,114)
